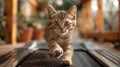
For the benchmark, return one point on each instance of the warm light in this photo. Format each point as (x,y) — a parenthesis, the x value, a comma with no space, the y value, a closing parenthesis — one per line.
(94,5)
(115,3)
(59,2)
(33,46)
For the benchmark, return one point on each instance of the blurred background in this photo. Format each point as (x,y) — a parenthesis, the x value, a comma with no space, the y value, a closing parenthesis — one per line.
(96,38)
(22,21)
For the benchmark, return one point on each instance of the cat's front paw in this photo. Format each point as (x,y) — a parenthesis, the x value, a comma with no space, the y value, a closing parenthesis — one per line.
(67,62)
(58,53)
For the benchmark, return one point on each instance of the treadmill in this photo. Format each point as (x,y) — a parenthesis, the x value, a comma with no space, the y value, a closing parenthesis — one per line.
(36,54)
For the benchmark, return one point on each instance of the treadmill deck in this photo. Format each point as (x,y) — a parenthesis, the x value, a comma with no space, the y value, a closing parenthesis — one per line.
(36,54)
(43,58)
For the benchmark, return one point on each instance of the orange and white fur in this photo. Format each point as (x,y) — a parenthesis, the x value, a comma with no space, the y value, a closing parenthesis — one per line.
(58,33)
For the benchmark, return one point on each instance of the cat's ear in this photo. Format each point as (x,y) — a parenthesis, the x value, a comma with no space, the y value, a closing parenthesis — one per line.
(72,11)
(51,10)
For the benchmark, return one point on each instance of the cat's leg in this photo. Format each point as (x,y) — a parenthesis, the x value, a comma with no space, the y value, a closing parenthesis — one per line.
(67,56)
(55,49)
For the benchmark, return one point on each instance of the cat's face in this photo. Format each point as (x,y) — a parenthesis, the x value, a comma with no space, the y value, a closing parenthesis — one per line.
(62,21)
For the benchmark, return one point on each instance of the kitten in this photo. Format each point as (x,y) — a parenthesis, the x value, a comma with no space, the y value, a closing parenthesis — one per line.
(58,33)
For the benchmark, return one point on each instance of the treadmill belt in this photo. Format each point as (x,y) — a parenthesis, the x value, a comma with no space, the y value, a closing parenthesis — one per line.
(43,58)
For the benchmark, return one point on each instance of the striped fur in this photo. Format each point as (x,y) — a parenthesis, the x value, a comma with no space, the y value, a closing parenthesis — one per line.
(58,33)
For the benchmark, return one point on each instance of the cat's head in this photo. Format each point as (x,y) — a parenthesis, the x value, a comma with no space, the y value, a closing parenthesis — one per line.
(62,22)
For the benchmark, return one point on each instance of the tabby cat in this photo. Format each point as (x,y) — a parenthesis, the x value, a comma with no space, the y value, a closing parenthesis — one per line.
(58,33)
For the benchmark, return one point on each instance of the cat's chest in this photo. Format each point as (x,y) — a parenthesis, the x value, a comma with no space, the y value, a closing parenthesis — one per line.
(62,41)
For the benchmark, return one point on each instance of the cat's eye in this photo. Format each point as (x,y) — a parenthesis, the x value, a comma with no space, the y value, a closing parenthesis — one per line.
(56,23)
(66,23)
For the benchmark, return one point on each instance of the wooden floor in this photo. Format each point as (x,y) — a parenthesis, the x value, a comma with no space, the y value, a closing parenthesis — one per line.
(9,47)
